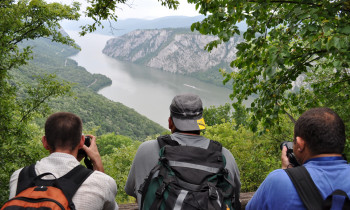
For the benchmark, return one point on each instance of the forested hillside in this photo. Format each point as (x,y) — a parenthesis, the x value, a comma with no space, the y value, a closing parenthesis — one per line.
(96,111)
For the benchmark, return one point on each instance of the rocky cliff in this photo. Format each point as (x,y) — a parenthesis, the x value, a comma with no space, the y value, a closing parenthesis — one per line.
(172,50)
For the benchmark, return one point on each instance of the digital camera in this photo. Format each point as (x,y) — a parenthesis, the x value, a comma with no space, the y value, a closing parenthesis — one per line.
(87,143)
(290,154)
(81,152)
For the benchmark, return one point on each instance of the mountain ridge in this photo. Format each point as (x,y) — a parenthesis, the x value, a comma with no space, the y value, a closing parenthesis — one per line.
(175,50)
(125,26)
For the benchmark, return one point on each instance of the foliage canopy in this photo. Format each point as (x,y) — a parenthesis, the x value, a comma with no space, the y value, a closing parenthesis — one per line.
(285,42)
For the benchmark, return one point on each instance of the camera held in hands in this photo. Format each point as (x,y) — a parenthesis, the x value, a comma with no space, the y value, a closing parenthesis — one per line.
(81,152)
(87,143)
(290,154)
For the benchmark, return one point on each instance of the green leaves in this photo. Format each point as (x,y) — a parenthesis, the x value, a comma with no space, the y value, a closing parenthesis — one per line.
(117,154)
(23,20)
(107,10)
(46,89)
(285,43)
(255,155)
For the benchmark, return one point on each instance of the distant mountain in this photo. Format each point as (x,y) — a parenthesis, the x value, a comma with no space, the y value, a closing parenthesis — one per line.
(125,26)
(174,50)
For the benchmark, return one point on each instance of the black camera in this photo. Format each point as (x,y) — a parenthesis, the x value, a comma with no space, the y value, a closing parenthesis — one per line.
(290,154)
(87,143)
(81,152)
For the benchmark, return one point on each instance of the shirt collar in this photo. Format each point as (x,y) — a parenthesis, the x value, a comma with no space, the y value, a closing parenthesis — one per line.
(332,158)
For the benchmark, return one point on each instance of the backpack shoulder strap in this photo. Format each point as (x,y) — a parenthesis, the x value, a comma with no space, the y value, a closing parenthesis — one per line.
(328,203)
(166,140)
(26,178)
(70,182)
(305,186)
(215,146)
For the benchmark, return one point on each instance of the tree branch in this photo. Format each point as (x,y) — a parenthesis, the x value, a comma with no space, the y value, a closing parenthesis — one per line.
(289,115)
(288,2)
(25,116)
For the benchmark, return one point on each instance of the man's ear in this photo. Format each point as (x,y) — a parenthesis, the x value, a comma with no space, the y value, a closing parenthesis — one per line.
(45,144)
(300,144)
(170,123)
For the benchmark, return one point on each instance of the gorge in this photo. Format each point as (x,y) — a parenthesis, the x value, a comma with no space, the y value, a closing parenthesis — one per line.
(147,90)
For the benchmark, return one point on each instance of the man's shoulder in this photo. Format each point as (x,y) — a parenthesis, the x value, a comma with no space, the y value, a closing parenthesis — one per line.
(227,153)
(149,143)
(148,146)
(279,178)
(279,181)
(100,178)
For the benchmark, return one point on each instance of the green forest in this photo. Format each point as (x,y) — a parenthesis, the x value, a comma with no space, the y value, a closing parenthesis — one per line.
(306,42)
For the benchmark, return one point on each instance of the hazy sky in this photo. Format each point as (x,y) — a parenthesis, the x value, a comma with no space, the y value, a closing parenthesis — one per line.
(151,9)
(146,9)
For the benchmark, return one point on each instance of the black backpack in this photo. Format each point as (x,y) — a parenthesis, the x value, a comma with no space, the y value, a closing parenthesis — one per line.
(311,196)
(33,192)
(188,177)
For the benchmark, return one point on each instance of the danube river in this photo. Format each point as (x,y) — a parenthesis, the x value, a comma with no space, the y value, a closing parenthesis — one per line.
(149,91)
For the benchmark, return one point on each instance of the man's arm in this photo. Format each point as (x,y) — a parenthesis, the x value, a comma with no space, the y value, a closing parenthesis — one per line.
(110,196)
(94,155)
(130,184)
(276,191)
(145,159)
(232,167)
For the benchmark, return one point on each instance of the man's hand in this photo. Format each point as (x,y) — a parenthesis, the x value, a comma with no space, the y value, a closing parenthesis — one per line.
(284,159)
(93,154)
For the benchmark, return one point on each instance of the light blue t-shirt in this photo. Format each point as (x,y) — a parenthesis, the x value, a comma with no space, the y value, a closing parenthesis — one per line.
(278,192)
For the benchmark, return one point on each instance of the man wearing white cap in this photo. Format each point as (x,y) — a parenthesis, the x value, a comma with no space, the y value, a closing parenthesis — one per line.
(185,123)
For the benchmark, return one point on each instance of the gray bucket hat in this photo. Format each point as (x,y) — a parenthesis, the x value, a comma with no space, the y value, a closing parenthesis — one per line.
(186,111)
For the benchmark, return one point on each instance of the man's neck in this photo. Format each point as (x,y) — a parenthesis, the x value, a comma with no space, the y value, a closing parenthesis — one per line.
(193,134)
(70,152)
(322,155)
(326,155)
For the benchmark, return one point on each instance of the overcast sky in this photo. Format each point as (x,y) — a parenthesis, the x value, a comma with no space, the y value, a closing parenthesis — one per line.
(146,9)
(150,9)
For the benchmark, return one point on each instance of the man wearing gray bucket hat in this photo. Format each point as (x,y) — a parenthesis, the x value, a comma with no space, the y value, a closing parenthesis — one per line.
(185,123)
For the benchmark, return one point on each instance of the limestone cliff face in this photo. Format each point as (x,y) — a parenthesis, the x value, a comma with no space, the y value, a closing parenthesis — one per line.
(173,50)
